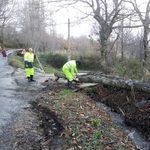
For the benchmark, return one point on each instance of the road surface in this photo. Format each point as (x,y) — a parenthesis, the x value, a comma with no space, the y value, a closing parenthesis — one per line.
(10,98)
(15,119)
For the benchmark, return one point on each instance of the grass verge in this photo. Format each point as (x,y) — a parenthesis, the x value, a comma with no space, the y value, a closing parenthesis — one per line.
(86,126)
(15,61)
(18,62)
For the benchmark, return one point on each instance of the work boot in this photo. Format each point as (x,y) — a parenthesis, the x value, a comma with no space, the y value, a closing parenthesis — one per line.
(67,84)
(31,78)
(70,85)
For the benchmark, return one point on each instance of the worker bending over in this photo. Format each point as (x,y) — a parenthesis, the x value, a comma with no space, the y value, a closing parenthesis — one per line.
(70,71)
(28,61)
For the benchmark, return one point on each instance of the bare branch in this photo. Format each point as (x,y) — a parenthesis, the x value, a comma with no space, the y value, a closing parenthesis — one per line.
(138,26)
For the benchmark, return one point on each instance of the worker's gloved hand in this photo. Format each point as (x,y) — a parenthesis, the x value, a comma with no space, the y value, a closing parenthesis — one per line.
(26,64)
(76,80)
(30,64)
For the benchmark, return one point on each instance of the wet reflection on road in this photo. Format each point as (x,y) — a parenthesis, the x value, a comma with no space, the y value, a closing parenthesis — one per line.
(10,102)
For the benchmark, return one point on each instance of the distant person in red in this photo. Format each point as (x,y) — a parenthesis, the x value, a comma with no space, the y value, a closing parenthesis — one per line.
(0,49)
(4,53)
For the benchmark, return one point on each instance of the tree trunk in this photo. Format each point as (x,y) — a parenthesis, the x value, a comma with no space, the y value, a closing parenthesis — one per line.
(145,45)
(109,80)
(104,36)
(2,37)
(103,52)
(115,81)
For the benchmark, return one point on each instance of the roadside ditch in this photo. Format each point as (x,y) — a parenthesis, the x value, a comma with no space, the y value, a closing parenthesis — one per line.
(133,107)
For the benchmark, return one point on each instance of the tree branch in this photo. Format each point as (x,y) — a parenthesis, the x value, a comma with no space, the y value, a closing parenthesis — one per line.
(138,26)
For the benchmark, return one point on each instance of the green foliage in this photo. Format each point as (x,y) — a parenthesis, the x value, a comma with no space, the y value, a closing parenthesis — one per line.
(91,63)
(49,69)
(55,60)
(16,60)
(75,131)
(96,122)
(65,92)
(131,69)
(96,134)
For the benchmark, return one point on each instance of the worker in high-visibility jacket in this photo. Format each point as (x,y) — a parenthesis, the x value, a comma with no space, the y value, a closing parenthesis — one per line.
(70,71)
(28,61)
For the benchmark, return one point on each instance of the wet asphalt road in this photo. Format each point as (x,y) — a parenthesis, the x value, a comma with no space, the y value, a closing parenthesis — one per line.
(14,91)
(16,122)
(10,102)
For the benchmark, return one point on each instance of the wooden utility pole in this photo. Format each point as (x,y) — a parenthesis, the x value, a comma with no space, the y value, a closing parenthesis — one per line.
(122,40)
(69,51)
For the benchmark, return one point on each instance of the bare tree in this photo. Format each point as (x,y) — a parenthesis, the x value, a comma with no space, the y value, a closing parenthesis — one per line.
(33,23)
(5,11)
(145,20)
(106,14)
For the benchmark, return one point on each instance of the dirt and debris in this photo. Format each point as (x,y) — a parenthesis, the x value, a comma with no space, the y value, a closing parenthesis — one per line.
(49,124)
(22,133)
(61,119)
(79,124)
(133,105)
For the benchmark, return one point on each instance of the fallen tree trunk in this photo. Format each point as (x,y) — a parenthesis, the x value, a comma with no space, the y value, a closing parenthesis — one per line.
(115,81)
(59,75)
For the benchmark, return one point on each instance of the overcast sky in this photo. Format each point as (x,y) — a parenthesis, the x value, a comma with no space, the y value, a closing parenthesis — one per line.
(78,27)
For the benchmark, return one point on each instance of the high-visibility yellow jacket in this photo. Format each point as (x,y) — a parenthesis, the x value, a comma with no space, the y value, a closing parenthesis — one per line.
(29,57)
(71,67)
(26,56)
